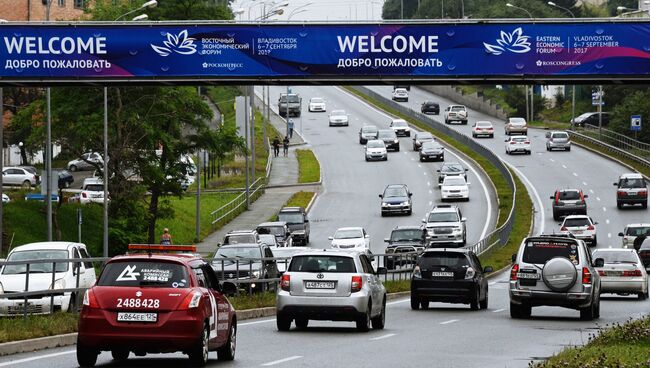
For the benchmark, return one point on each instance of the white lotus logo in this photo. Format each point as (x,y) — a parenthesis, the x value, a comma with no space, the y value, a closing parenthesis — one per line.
(513,42)
(180,44)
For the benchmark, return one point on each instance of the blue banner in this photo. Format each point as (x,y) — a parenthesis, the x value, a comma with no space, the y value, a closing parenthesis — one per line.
(159,51)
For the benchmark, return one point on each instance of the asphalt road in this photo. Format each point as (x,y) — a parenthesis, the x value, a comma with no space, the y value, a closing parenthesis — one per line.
(543,172)
(352,185)
(446,335)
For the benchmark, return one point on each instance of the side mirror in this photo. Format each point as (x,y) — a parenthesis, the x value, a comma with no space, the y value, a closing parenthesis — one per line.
(514,258)
(621,234)
(382,271)
(330,237)
(599,262)
(551,197)
(437,170)
(367,236)
(410,194)
(586,196)
(466,169)
(306,220)
(386,240)
(424,221)
(228,288)
(488,269)
(80,270)
(596,223)
(381,196)
(463,219)
(506,140)
(616,184)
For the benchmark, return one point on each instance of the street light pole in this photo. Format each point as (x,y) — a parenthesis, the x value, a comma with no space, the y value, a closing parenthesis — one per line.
(106,177)
(520,8)
(2,151)
(573,87)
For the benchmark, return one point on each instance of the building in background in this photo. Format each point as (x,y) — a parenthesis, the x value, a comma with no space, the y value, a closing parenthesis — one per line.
(36,10)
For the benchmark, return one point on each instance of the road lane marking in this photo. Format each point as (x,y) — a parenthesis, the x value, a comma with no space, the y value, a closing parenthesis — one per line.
(256,322)
(419,165)
(448,322)
(551,160)
(564,166)
(282,360)
(498,310)
(576,175)
(399,301)
(425,173)
(591,191)
(19,361)
(609,235)
(584,183)
(607,221)
(430,203)
(412,159)
(598,198)
(429,183)
(430,191)
(382,337)
(604,209)
(542,223)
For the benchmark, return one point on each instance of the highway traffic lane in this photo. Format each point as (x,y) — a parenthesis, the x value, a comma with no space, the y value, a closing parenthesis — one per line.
(449,335)
(548,171)
(350,191)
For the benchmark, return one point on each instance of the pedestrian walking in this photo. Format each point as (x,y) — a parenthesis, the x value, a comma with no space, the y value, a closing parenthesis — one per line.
(285,144)
(276,146)
(166,237)
(290,127)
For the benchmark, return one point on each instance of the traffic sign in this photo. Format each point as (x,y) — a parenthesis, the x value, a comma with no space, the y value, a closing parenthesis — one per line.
(596,99)
(635,123)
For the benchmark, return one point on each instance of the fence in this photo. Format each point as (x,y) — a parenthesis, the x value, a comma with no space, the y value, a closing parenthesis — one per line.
(616,143)
(498,236)
(231,209)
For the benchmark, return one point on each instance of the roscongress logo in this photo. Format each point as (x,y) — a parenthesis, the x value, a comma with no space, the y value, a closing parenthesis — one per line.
(180,44)
(514,42)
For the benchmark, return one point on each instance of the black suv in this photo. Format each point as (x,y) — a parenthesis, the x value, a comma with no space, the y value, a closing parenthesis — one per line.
(246,263)
(430,107)
(390,139)
(396,199)
(568,202)
(404,242)
(449,276)
(298,222)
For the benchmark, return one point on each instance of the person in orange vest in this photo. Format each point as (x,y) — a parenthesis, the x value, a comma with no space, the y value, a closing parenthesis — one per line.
(166,237)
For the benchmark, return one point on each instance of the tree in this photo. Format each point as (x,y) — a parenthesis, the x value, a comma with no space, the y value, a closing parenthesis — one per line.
(637,103)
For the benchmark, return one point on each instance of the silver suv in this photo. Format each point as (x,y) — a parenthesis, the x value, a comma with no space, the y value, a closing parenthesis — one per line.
(445,224)
(331,285)
(556,271)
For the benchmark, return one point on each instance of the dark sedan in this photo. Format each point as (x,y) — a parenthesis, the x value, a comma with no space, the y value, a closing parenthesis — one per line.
(390,139)
(449,276)
(432,151)
(65,179)
(451,169)
(430,107)
(421,137)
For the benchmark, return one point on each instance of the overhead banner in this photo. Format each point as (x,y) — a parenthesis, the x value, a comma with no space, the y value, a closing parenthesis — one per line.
(160,51)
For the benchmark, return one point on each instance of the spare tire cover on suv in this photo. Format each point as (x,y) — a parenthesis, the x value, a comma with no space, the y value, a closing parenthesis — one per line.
(559,274)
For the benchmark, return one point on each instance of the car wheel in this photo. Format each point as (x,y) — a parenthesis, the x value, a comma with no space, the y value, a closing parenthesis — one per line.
(364,320)
(588,313)
(548,149)
(595,242)
(644,205)
(415,302)
(619,205)
(520,311)
(446,121)
(484,303)
(491,136)
(465,238)
(86,357)
(474,303)
(643,296)
(26,184)
(301,323)
(120,355)
(568,149)
(409,212)
(383,214)
(307,240)
(397,149)
(283,322)
(367,159)
(199,353)
(72,168)
(379,322)
(227,351)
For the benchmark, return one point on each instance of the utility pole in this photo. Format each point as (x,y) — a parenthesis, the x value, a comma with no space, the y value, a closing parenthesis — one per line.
(246,131)
(600,112)
(106,175)
(48,149)
(251,94)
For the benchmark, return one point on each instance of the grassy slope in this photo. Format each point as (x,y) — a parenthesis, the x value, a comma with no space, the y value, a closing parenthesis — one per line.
(299,199)
(309,168)
(14,329)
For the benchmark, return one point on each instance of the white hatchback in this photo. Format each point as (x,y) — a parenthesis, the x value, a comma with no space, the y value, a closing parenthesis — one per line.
(454,187)
(317,104)
(376,150)
(350,237)
(520,143)
(64,274)
(582,227)
(339,117)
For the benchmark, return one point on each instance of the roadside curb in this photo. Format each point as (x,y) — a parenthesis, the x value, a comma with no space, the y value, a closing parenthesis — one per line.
(311,203)
(40,343)
(315,183)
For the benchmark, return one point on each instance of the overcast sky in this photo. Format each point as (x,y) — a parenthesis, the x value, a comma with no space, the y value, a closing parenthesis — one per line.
(310,10)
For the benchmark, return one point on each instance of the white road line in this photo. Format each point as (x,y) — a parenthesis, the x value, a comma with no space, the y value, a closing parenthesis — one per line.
(542,223)
(576,175)
(584,183)
(591,191)
(485,188)
(551,160)
(607,221)
(382,337)
(282,360)
(412,159)
(564,166)
(598,198)
(448,322)
(399,301)
(19,361)
(604,209)
(419,165)
(609,235)
(425,173)
(498,310)
(429,183)
(255,322)
(430,203)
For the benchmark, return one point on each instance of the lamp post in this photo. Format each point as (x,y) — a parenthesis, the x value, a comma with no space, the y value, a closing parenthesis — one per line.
(148,4)
(520,8)
(561,7)
(300,9)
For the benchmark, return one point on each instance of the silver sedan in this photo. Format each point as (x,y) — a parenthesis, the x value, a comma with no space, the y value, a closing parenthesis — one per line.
(622,272)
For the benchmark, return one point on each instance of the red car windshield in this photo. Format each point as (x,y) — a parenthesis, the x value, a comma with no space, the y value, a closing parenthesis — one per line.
(144,273)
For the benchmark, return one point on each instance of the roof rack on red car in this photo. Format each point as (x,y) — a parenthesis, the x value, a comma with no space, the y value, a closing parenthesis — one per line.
(157,248)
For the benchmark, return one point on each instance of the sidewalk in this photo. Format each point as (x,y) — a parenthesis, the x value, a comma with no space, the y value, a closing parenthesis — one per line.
(283,183)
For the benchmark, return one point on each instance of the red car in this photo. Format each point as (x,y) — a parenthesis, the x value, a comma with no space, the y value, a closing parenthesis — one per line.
(157,303)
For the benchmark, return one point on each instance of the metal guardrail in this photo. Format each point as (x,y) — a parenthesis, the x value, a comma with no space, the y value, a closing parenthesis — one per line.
(400,268)
(618,140)
(608,147)
(500,235)
(230,208)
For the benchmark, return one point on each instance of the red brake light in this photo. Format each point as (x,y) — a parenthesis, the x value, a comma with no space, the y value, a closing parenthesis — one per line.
(557,197)
(83,194)
(513,272)
(582,197)
(357,283)
(563,228)
(635,273)
(643,193)
(285,282)
(191,301)
(526,142)
(590,227)
(513,142)
(90,300)
(621,193)
(586,276)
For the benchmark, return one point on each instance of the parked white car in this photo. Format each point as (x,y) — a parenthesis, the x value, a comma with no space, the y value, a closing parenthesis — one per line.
(454,187)
(376,150)
(350,237)
(520,143)
(339,117)
(317,104)
(86,161)
(92,191)
(400,94)
(582,227)
(19,176)
(5,198)
(12,277)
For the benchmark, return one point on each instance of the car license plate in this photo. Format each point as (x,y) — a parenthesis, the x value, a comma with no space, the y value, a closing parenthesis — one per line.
(442,274)
(577,231)
(137,317)
(632,193)
(319,284)
(523,275)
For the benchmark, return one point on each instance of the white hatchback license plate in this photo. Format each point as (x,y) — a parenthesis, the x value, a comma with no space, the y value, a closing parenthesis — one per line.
(137,317)
(442,274)
(522,275)
(319,284)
